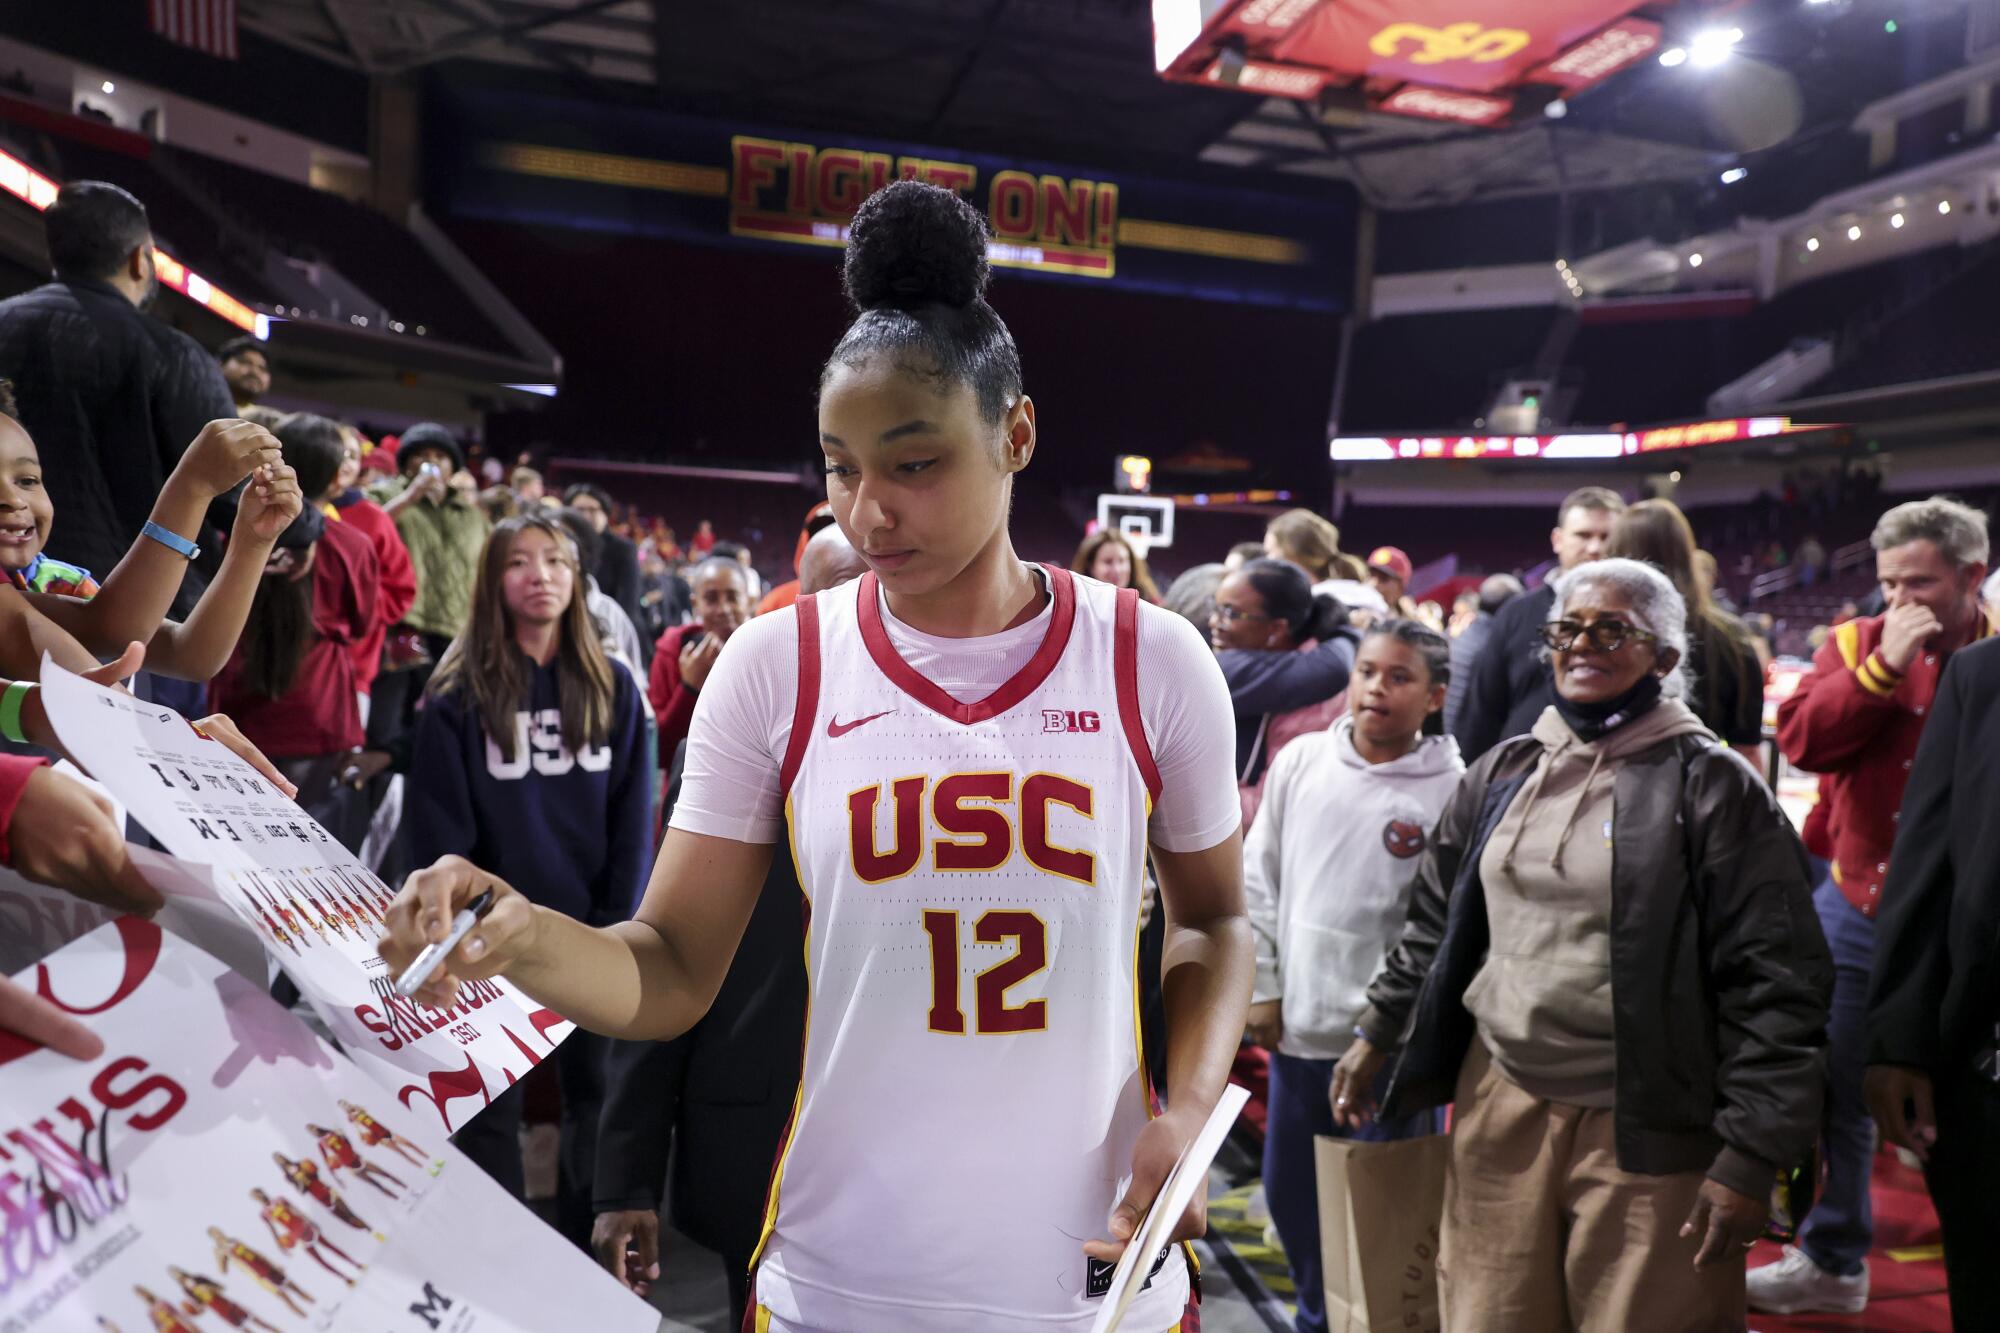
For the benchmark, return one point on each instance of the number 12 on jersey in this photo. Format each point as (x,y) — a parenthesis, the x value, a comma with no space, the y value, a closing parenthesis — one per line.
(993,1015)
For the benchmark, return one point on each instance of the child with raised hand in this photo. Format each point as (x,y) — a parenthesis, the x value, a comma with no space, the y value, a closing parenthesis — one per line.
(133,600)
(1328,868)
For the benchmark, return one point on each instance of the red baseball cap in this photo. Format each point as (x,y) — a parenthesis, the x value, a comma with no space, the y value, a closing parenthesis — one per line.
(1391,561)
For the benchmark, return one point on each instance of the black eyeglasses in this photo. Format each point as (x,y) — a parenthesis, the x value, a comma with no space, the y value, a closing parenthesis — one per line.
(1607,636)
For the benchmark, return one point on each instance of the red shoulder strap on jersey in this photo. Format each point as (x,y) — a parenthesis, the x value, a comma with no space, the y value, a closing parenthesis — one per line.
(1125,668)
(806,711)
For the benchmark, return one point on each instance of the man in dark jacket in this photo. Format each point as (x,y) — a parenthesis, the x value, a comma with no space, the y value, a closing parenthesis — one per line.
(1934,997)
(716,1099)
(111,395)
(1509,683)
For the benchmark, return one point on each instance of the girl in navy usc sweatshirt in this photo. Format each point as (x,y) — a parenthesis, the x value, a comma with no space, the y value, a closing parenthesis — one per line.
(531,761)
(530,751)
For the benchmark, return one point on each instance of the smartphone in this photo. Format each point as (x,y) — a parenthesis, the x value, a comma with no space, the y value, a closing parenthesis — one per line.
(432,470)
(693,639)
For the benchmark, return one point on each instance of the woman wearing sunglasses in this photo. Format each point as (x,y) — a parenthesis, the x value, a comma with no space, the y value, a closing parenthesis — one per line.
(1612,967)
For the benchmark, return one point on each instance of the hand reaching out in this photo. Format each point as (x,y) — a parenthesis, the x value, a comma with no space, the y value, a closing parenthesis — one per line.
(218,728)
(26,1014)
(269,504)
(225,453)
(67,836)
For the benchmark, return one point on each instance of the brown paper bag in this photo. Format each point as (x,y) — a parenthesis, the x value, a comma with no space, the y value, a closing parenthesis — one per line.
(1379,1210)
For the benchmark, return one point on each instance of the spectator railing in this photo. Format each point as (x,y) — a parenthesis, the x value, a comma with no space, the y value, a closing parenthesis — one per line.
(1772,582)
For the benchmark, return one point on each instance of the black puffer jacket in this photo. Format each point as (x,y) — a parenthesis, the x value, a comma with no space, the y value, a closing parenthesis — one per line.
(1720,976)
(112,397)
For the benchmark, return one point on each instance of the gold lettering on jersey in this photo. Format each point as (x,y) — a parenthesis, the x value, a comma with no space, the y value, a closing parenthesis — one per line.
(975,820)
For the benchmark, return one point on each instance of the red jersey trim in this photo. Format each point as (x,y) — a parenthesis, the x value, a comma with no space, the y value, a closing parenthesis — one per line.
(1016,688)
(1125,667)
(806,711)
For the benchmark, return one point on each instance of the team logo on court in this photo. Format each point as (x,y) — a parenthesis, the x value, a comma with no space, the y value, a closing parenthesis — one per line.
(1403,838)
(1057,719)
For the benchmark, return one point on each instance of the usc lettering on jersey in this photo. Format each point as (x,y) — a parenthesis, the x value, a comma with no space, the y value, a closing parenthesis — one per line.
(972,1084)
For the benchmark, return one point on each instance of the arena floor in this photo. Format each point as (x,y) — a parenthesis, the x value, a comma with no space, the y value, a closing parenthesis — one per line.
(1246,1290)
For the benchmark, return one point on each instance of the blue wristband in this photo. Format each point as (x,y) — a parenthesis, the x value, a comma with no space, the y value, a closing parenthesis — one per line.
(173,541)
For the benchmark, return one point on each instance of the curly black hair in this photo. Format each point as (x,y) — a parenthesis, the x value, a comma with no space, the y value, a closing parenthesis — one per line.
(8,407)
(916,272)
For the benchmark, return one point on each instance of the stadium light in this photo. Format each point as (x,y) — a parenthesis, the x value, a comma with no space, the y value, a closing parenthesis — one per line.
(1812,242)
(1944,206)
(1694,260)
(1896,220)
(1673,55)
(109,87)
(1711,46)
(1733,175)
(1854,233)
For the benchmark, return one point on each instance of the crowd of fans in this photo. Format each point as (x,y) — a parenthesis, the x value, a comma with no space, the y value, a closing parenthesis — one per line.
(1504,839)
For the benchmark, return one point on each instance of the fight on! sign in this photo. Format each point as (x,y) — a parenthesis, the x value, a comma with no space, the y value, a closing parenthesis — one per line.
(806,193)
(554,162)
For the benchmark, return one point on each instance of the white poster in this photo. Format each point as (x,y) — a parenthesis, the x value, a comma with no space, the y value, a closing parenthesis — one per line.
(222,1167)
(317,908)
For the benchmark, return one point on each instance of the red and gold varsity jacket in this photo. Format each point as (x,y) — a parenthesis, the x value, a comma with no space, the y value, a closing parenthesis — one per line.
(1857,722)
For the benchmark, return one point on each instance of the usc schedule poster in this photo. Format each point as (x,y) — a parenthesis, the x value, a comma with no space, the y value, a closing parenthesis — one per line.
(221,1167)
(317,908)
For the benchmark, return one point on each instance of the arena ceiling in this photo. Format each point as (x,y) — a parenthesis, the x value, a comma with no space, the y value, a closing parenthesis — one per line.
(1074,80)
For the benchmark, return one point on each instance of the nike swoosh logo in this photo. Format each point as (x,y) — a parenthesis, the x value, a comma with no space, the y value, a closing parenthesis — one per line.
(835,728)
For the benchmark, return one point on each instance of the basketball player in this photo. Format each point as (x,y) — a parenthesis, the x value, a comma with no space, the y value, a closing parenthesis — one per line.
(204,1294)
(304,1177)
(229,1250)
(292,1229)
(974,755)
(166,1316)
(340,1156)
(374,1133)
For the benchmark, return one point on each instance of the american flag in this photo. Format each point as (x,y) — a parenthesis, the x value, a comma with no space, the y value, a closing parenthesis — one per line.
(206,25)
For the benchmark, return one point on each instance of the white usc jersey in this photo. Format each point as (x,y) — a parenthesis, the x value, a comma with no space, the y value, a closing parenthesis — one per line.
(972,1086)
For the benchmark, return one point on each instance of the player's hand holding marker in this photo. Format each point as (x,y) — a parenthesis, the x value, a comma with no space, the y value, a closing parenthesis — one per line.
(1160,1145)
(422,913)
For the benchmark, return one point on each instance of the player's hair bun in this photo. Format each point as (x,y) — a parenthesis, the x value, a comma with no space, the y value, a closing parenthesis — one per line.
(913,244)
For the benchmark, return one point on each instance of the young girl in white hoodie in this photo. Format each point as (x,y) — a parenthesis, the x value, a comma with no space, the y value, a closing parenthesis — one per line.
(1327,873)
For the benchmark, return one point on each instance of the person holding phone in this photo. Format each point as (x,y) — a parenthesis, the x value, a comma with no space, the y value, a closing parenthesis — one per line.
(686,653)
(445,532)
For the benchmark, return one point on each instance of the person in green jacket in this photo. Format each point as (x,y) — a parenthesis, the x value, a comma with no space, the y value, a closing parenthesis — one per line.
(445,532)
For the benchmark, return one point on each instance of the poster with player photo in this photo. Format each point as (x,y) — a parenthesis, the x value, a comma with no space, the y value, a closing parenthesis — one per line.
(317,909)
(220,1166)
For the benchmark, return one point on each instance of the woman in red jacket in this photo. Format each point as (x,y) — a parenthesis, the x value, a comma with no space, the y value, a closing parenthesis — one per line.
(686,653)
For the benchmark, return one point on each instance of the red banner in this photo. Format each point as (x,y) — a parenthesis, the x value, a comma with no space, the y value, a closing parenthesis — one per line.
(1446,104)
(1619,46)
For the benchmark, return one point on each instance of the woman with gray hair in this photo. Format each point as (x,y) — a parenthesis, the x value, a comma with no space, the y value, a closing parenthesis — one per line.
(1612,967)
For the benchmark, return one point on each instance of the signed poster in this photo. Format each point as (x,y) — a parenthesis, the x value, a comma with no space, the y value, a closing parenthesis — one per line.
(317,909)
(220,1166)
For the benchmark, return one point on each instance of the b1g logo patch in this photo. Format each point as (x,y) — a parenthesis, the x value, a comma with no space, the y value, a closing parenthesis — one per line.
(1403,839)
(1062,720)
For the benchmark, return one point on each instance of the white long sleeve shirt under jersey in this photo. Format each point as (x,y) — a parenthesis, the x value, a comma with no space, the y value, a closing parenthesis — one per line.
(1327,871)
